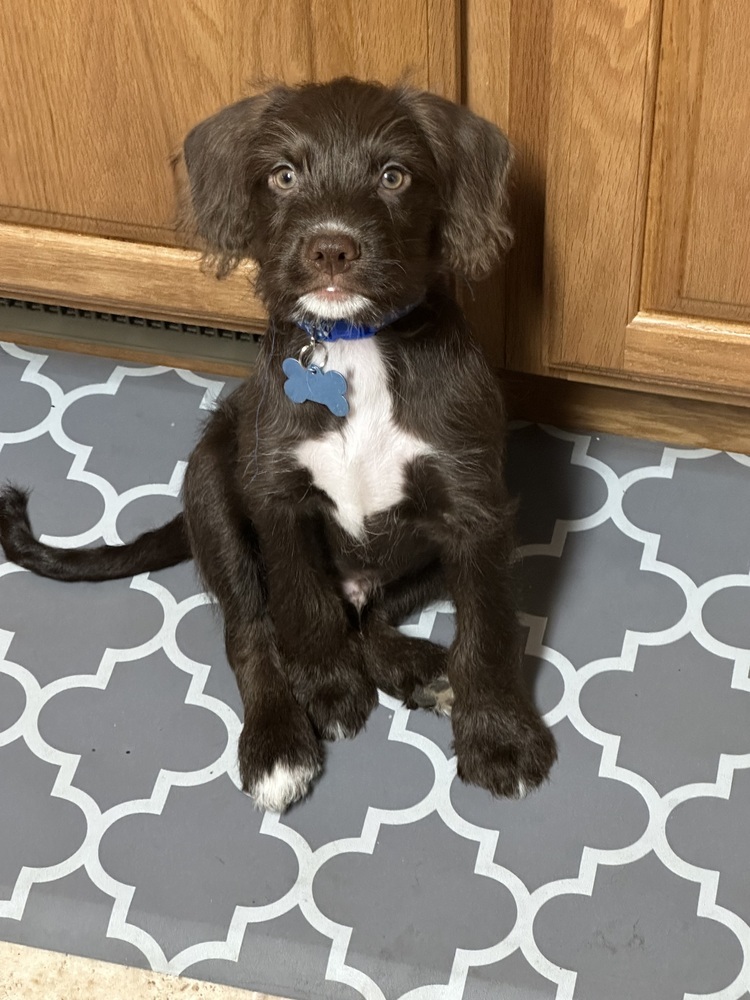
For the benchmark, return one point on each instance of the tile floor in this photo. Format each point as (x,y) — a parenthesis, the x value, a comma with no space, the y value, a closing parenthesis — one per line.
(123,835)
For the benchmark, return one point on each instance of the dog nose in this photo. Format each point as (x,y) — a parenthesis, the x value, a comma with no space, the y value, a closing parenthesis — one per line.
(332,252)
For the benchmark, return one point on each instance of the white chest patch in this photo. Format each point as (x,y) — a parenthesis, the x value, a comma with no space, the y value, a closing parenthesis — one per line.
(361,464)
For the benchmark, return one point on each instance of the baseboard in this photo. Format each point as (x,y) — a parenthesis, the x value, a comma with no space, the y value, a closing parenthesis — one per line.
(587,407)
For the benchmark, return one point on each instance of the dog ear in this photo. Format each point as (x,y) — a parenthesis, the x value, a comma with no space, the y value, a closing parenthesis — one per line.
(474,157)
(216,201)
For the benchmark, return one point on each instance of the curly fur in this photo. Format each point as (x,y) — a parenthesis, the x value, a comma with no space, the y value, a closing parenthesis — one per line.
(318,536)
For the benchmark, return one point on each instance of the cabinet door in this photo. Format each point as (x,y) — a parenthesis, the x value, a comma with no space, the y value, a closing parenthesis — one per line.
(645,172)
(694,318)
(96,95)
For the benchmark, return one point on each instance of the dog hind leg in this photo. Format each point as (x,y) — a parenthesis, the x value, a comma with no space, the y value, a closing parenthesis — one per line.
(407,667)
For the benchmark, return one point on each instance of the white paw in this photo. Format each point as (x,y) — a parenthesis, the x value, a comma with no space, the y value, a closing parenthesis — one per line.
(276,791)
(522,789)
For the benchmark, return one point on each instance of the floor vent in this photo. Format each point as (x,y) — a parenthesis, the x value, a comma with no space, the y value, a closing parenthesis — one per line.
(210,348)
(138,321)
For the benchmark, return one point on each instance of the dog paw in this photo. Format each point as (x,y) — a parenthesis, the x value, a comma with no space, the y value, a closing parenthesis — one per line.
(507,750)
(435,696)
(279,755)
(339,712)
(285,784)
(411,669)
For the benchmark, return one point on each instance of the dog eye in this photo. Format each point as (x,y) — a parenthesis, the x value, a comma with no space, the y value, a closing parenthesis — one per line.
(394,178)
(284,178)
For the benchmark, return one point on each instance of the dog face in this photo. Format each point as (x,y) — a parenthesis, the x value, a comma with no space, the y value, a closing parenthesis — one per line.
(351,197)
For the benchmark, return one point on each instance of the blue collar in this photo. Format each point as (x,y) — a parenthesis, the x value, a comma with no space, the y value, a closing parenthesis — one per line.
(342,329)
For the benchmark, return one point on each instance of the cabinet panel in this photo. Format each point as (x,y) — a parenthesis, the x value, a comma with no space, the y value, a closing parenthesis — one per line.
(322,39)
(698,229)
(140,279)
(677,350)
(599,57)
(96,96)
(582,74)
(641,172)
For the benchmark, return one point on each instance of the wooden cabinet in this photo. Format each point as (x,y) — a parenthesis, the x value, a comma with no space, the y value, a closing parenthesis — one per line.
(631,120)
(96,94)
(639,161)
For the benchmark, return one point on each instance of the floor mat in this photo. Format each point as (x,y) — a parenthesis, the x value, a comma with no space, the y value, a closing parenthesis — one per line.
(123,835)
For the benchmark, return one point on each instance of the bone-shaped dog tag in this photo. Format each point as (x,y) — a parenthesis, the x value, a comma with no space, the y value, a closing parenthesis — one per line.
(313,384)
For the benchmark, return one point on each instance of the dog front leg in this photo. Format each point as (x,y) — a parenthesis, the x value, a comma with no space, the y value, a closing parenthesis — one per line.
(322,653)
(279,752)
(500,740)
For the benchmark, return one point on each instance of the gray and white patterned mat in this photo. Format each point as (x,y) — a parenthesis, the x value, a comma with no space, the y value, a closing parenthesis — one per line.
(123,835)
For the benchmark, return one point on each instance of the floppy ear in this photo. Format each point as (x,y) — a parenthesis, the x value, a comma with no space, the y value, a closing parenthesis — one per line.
(217,205)
(474,157)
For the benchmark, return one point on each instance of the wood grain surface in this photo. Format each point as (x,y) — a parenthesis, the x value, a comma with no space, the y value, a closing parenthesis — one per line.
(599,53)
(138,279)
(689,352)
(697,258)
(96,96)
(652,415)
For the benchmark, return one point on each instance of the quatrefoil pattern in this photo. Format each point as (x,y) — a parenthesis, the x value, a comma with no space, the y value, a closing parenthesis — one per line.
(123,834)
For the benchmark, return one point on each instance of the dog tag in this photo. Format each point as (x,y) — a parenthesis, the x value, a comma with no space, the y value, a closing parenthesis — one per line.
(313,384)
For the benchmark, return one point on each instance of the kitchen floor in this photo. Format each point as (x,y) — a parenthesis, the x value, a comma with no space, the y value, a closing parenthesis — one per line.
(123,835)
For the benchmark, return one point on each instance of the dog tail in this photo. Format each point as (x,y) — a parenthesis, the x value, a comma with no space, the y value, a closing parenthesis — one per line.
(157,549)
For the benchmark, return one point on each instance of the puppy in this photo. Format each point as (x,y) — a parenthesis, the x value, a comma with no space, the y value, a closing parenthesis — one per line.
(358,473)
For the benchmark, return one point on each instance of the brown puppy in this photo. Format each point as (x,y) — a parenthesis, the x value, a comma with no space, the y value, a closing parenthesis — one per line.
(358,473)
